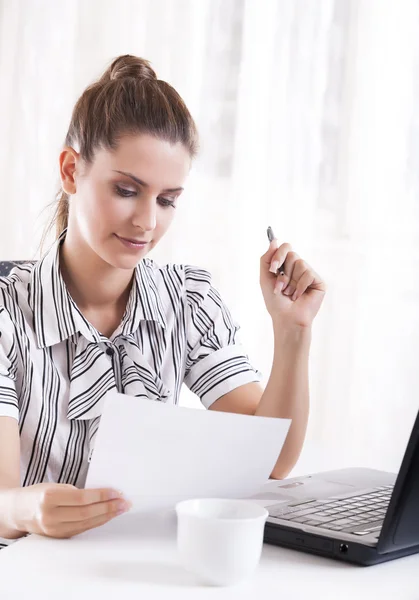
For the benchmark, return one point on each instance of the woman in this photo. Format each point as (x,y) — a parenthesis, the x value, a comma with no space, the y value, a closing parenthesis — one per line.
(95,314)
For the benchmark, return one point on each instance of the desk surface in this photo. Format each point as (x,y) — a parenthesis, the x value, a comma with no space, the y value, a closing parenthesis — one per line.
(138,559)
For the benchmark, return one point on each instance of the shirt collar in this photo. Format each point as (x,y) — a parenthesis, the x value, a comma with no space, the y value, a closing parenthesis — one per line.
(57,317)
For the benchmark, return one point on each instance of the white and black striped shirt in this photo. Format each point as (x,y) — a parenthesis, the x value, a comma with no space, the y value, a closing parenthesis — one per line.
(55,367)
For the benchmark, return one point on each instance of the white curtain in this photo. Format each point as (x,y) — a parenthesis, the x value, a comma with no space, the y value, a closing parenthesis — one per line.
(309,121)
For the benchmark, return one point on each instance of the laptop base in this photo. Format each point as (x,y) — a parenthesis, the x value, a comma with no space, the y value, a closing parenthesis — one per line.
(342,550)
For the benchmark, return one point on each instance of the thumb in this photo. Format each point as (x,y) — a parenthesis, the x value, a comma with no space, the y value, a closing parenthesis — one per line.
(266,258)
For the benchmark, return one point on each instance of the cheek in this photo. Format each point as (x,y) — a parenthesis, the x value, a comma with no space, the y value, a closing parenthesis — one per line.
(115,210)
(100,206)
(100,211)
(164,220)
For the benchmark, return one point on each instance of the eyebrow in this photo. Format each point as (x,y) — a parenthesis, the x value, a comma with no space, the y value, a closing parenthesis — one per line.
(144,184)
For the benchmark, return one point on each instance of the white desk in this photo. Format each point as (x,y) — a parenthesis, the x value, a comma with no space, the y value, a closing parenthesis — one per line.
(133,559)
(141,562)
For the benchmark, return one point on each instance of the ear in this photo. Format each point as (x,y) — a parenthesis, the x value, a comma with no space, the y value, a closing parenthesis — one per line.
(68,164)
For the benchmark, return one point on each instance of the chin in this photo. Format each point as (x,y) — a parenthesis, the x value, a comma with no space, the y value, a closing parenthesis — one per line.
(124,263)
(121,258)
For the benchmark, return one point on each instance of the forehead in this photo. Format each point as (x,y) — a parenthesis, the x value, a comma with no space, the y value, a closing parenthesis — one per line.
(157,162)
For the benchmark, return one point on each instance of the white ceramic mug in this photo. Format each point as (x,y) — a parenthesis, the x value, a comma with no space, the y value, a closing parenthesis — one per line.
(220,540)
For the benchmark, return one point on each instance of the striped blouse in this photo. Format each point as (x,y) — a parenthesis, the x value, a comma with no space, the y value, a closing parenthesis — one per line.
(55,367)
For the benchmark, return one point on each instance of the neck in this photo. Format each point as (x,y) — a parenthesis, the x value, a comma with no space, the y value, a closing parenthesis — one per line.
(92,282)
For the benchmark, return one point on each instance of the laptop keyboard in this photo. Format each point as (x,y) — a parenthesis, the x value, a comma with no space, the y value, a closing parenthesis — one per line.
(360,515)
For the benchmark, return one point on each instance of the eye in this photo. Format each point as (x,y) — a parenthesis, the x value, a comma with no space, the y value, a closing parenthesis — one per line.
(127,193)
(124,192)
(167,202)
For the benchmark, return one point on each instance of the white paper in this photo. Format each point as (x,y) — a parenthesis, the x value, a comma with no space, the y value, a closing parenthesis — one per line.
(158,454)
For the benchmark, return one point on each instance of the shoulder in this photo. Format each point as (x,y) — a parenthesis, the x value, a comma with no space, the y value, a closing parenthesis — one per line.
(7,331)
(14,273)
(14,284)
(195,282)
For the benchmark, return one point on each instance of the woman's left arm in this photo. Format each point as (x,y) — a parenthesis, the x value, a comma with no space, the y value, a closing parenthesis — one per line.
(293,298)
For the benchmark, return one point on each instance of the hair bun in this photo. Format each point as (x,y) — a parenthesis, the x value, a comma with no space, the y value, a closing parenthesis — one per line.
(128,65)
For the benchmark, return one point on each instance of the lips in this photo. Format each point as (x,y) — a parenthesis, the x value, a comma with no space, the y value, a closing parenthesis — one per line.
(132,240)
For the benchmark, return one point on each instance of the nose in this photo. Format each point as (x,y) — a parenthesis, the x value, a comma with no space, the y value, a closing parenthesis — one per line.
(145,215)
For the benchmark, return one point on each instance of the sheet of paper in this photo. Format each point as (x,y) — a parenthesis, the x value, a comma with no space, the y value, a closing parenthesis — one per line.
(158,454)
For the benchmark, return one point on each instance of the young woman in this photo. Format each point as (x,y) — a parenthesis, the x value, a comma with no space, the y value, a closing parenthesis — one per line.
(95,314)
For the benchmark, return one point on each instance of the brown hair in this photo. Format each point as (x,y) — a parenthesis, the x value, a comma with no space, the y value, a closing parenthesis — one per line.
(127,99)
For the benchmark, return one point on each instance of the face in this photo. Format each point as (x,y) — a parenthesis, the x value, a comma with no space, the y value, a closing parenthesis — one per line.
(124,202)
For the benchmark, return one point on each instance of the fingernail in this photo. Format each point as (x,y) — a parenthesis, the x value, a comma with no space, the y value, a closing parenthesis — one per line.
(115,494)
(124,506)
(294,297)
(274,267)
(288,292)
(278,287)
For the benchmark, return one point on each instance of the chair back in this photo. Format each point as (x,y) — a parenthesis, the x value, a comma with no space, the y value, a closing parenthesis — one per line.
(7,265)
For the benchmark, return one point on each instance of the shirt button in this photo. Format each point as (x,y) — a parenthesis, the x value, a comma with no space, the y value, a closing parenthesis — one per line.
(109,351)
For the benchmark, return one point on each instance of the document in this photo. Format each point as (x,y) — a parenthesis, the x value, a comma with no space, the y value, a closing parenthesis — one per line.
(158,454)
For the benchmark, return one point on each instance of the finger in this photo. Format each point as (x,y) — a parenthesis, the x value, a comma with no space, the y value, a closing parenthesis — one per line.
(63,514)
(267,257)
(287,269)
(275,253)
(282,255)
(67,495)
(71,529)
(92,496)
(318,283)
(304,282)
(297,269)
(280,283)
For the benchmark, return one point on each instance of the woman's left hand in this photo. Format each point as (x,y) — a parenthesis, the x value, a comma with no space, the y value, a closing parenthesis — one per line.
(294,295)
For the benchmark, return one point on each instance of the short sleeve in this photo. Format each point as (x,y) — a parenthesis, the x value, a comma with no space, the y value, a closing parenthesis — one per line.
(216,361)
(8,396)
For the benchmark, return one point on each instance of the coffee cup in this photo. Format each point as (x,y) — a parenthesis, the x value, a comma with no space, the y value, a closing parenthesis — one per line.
(220,540)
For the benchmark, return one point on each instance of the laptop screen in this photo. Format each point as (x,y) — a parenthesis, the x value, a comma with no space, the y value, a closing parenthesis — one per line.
(401,524)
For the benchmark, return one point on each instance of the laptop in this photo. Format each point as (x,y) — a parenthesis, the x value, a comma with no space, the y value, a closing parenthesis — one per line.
(362,516)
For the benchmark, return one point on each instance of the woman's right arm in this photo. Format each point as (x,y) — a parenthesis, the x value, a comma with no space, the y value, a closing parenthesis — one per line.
(9,473)
(52,509)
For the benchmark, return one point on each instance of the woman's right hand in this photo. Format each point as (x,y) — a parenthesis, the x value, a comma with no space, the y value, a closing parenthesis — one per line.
(61,510)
